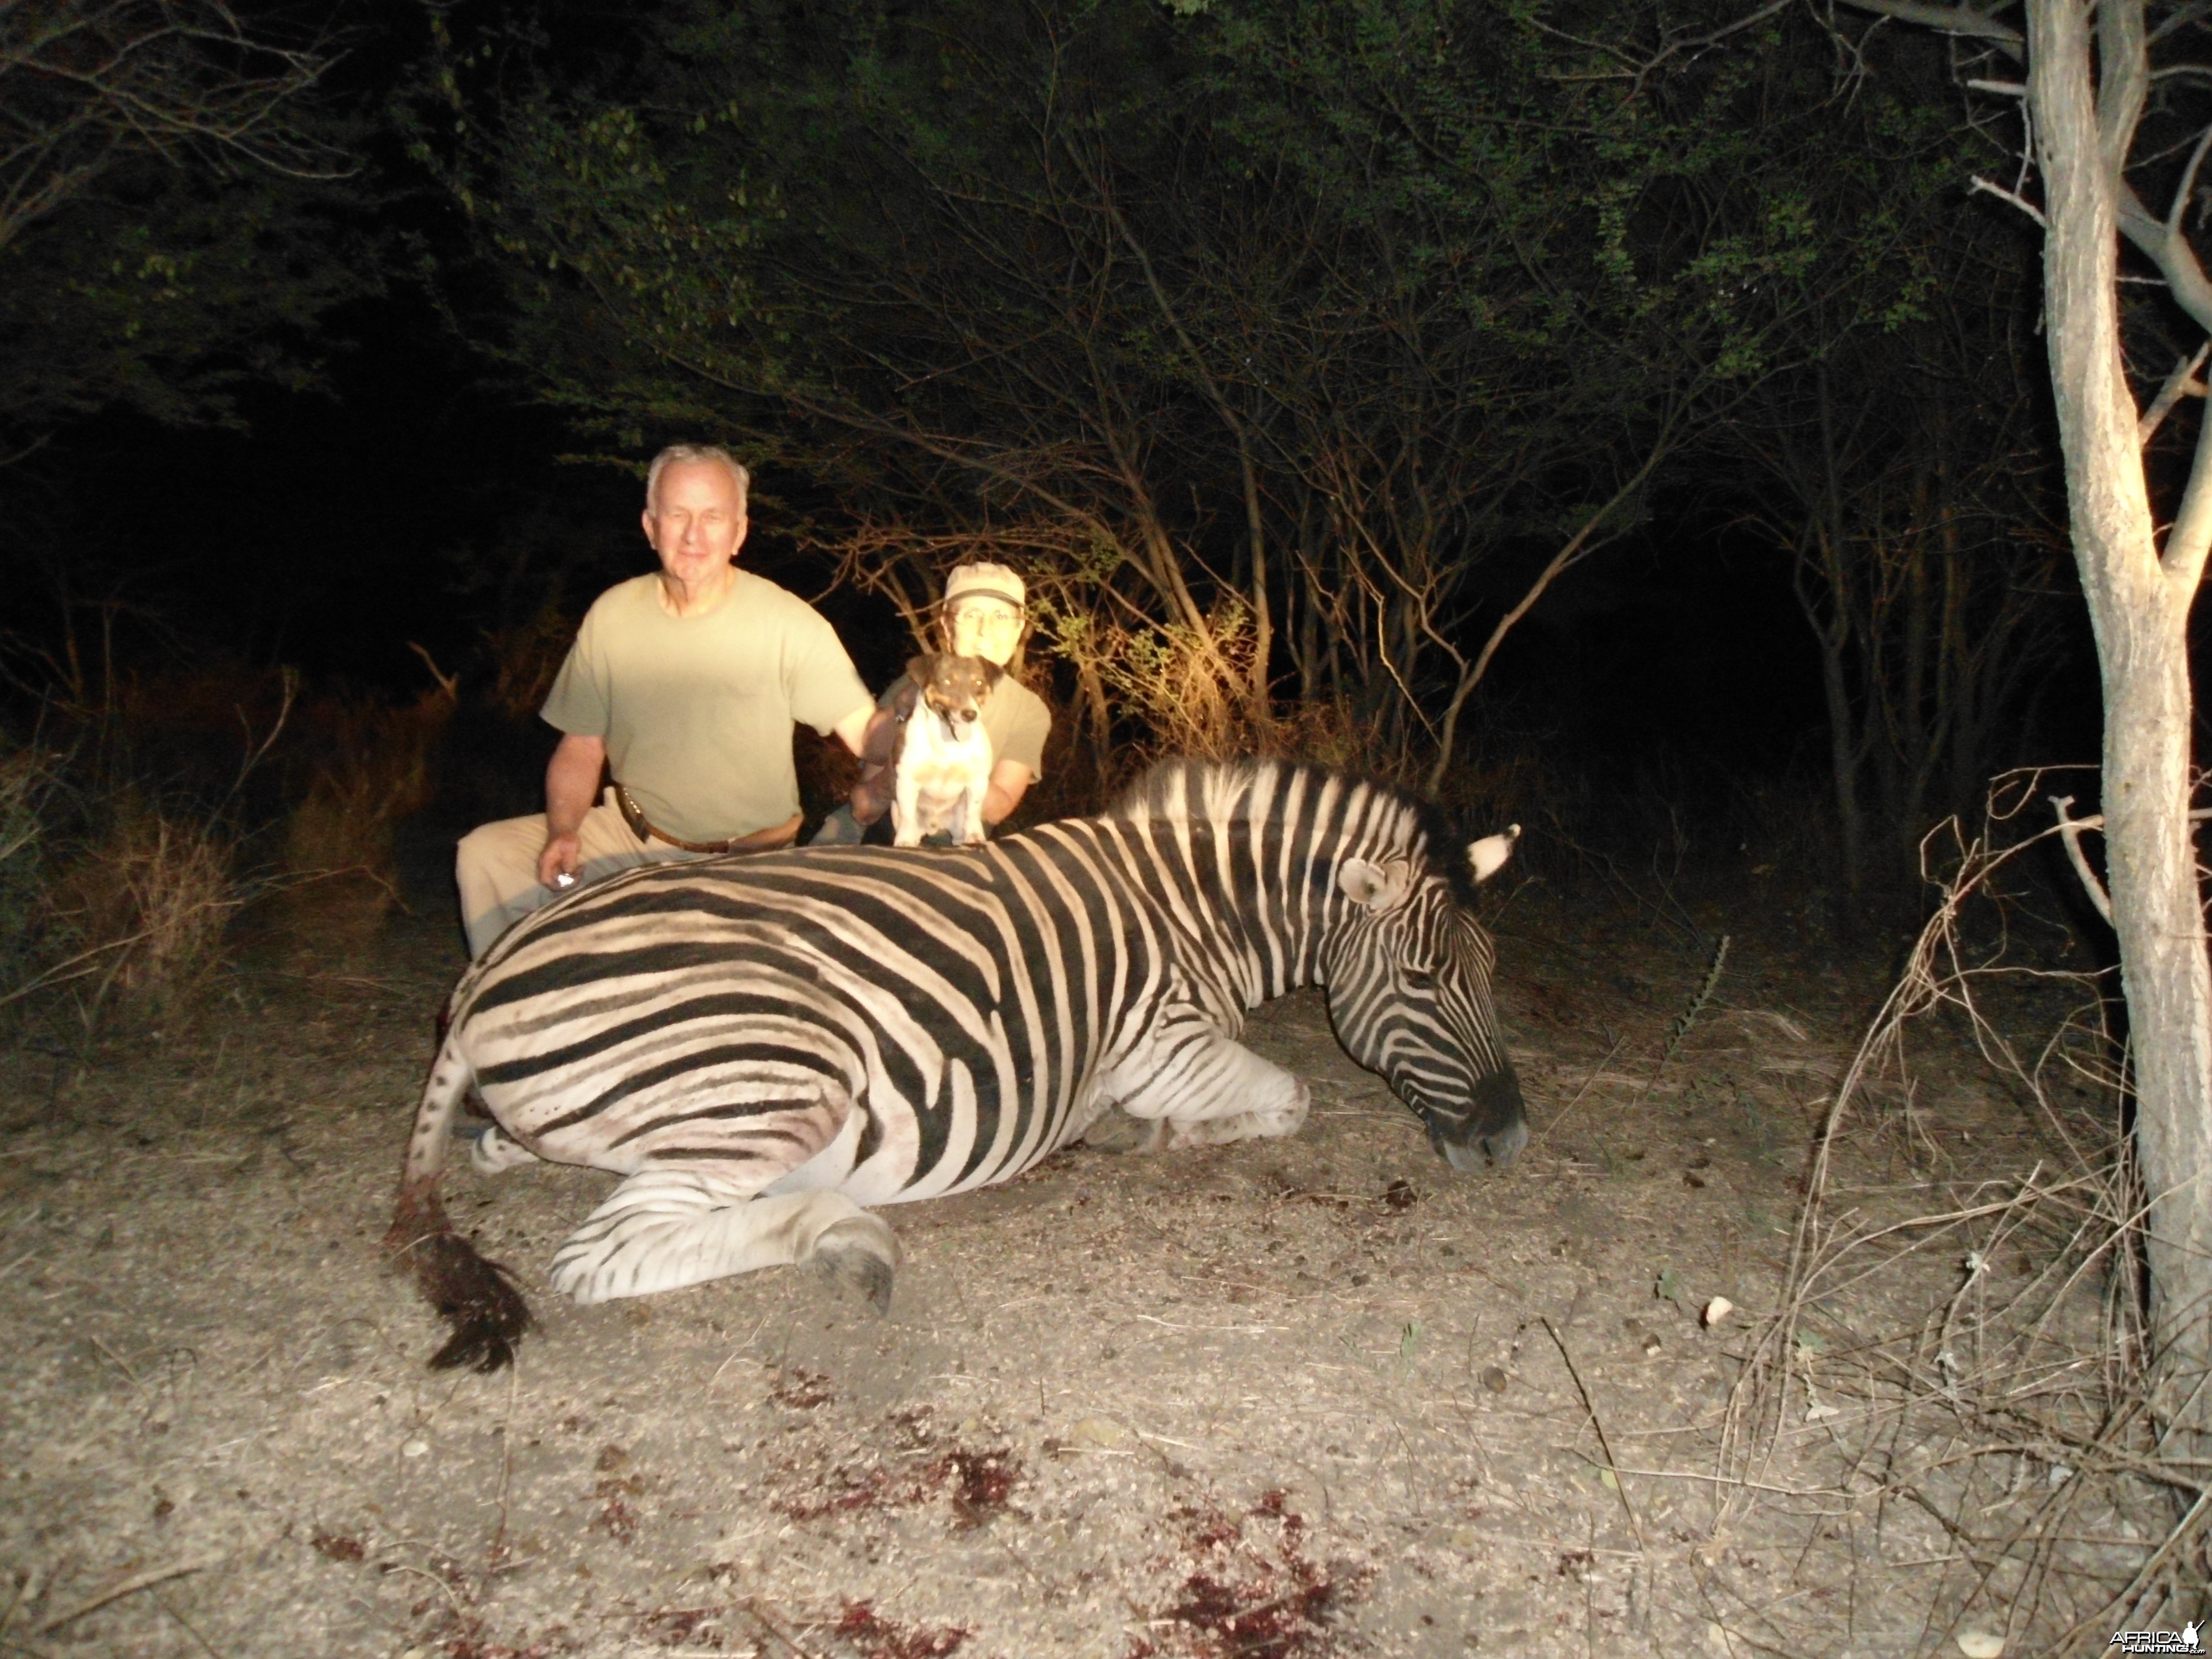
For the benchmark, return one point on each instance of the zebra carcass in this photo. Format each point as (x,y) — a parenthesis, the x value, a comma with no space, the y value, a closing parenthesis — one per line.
(764,1048)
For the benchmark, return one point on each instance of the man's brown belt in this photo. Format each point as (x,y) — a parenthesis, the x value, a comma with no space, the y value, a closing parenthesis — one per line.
(761,840)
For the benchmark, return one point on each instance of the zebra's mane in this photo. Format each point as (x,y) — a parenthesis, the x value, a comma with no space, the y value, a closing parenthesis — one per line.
(1225,789)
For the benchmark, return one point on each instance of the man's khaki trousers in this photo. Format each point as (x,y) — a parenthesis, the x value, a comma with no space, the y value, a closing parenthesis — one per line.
(496,867)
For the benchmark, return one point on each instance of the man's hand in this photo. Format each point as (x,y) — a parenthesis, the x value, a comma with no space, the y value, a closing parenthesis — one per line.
(572,784)
(558,864)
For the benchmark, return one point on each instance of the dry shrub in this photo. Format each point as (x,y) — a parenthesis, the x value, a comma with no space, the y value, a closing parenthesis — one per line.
(373,770)
(526,656)
(1188,686)
(28,780)
(1330,733)
(139,912)
(1979,1369)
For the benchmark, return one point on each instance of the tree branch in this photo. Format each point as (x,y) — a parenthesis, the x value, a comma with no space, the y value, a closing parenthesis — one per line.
(2012,197)
(2170,252)
(2191,534)
(1961,19)
(2069,830)
(2182,383)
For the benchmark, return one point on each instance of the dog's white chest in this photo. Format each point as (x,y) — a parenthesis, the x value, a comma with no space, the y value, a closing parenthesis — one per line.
(942,779)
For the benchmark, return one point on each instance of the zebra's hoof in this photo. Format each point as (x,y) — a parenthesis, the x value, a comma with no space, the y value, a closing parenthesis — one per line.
(1116,1131)
(576,1275)
(864,1253)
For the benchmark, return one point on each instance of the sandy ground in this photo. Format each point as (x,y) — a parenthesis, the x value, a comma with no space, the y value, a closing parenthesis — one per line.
(1317,1396)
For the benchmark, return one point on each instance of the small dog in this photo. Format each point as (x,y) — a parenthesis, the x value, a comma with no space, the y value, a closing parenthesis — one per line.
(944,753)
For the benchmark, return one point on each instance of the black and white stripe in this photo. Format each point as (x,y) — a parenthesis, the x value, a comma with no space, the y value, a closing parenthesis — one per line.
(766,1047)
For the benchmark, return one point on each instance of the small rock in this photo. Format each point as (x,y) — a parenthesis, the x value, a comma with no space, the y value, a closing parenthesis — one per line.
(1715,1310)
(1980,1644)
(416,1448)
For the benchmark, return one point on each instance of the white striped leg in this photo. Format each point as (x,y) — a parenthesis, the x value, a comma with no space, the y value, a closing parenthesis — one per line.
(663,1229)
(1205,1089)
(495,1150)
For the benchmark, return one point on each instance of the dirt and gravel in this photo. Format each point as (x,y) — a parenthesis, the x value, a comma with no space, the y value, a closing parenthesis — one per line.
(1311,1397)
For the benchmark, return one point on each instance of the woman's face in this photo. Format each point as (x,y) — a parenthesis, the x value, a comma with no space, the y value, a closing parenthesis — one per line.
(990,628)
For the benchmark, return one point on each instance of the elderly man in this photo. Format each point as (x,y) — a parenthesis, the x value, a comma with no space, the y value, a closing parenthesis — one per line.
(688,683)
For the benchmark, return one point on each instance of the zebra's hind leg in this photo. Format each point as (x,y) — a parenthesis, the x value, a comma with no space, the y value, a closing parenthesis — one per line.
(492,1150)
(1203,1089)
(663,1229)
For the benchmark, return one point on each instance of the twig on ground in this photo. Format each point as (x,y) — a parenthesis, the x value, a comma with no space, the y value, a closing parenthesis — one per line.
(749,1607)
(1590,1407)
(131,1586)
(1596,1071)
(169,1608)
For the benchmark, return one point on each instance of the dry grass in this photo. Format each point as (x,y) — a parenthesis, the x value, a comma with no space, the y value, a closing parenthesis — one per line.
(28,780)
(138,914)
(1976,1373)
(373,770)
(524,658)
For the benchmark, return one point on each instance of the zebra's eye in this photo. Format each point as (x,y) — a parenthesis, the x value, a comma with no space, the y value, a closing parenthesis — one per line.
(1420,979)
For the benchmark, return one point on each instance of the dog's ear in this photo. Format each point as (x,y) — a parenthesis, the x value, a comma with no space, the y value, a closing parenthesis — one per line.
(993,672)
(921,670)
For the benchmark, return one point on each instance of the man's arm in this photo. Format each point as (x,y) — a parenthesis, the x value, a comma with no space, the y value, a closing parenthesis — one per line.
(1010,781)
(853,730)
(572,784)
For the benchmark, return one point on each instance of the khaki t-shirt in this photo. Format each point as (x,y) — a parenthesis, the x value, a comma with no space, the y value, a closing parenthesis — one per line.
(697,711)
(1018,723)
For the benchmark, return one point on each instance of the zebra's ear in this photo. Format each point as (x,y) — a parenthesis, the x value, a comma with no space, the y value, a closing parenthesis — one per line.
(1489,855)
(1374,886)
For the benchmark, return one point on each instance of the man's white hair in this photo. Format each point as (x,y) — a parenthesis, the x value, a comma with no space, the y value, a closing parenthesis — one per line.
(676,454)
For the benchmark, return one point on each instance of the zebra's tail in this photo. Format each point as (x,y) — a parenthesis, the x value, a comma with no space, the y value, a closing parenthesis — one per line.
(476,1297)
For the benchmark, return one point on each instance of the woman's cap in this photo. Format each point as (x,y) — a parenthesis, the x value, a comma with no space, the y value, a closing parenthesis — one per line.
(985,581)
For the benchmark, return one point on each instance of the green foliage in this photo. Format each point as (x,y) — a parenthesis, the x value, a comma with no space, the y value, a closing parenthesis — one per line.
(173,193)
(165,292)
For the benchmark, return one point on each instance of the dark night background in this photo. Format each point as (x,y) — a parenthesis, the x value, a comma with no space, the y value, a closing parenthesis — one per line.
(419,483)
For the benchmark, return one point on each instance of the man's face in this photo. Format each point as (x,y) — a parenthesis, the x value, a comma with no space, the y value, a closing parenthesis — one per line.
(695,521)
(990,628)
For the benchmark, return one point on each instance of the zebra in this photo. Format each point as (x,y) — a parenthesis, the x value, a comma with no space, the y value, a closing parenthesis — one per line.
(765,1047)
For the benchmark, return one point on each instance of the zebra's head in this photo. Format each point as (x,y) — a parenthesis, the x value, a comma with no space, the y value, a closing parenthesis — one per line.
(1409,992)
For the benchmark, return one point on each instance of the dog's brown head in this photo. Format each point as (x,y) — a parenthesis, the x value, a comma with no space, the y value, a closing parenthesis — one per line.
(953,688)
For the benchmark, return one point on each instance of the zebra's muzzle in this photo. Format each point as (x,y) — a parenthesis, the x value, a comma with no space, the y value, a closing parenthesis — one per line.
(1465,1147)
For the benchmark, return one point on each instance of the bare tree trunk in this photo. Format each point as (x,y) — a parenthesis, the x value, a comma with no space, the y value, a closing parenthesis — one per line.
(2139,607)
(1817,552)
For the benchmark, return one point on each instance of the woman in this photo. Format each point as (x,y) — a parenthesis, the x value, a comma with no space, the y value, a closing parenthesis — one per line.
(984,613)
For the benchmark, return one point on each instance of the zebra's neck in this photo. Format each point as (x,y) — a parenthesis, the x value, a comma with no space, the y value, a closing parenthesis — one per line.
(1245,859)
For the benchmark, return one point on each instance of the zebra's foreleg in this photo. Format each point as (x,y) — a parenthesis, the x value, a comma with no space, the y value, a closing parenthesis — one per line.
(664,1228)
(1205,1090)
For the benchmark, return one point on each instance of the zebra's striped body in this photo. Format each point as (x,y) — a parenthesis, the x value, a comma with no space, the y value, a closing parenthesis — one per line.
(764,1047)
